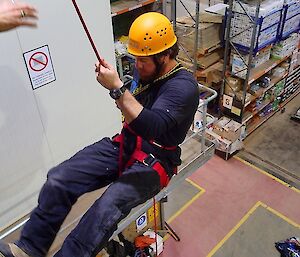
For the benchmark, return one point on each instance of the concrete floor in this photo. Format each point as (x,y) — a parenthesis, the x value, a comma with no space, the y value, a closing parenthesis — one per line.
(187,191)
(242,212)
(251,240)
(275,146)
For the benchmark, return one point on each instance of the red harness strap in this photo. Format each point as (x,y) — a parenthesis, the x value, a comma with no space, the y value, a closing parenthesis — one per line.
(149,160)
(141,156)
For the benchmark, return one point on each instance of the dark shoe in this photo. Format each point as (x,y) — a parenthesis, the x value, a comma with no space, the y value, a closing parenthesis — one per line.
(5,250)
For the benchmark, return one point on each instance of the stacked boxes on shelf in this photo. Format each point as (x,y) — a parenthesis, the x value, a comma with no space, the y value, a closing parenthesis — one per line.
(268,26)
(209,55)
(288,91)
(279,50)
(273,98)
(233,87)
(238,66)
(285,47)
(209,34)
(291,18)
(295,57)
(277,90)
(271,78)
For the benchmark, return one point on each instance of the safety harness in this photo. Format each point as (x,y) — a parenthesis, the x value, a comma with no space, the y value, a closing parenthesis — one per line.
(138,154)
(142,157)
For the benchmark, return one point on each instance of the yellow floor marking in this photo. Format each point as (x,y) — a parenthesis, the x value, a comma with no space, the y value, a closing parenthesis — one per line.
(202,191)
(281,216)
(251,211)
(184,207)
(213,251)
(267,174)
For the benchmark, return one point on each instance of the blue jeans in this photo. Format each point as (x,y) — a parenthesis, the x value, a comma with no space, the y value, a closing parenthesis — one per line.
(93,167)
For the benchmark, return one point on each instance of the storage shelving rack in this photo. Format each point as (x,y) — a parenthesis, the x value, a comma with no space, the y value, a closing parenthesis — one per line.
(120,7)
(238,115)
(238,110)
(290,18)
(196,19)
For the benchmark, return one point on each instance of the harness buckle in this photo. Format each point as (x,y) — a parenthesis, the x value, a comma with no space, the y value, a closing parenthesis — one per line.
(149,160)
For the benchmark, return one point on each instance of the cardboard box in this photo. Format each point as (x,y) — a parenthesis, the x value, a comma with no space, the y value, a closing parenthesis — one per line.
(266,7)
(290,25)
(263,37)
(209,34)
(203,61)
(210,17)
(212,74)
(285,47)
(228,129)
(238,67)
(224,147)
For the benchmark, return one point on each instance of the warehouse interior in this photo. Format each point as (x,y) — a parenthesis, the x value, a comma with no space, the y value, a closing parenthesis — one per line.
(237,191)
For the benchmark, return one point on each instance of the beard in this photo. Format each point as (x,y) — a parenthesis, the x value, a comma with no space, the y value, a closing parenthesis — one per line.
(144,80)
(148,79)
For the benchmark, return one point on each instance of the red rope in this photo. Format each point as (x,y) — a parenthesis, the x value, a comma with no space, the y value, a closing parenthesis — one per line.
(86,30)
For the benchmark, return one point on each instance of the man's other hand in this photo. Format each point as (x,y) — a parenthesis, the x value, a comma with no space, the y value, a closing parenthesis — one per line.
(17,14)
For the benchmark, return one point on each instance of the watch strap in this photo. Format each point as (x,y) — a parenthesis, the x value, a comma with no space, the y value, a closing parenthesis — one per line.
(117,93)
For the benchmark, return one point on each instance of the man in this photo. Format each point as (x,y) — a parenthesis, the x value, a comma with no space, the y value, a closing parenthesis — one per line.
(13,15)
(135,164)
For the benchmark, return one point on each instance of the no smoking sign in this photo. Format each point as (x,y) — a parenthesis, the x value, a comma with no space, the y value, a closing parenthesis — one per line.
(38,61)
(39,66)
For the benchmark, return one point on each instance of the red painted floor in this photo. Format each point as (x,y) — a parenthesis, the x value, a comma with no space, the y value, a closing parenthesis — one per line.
(232,188)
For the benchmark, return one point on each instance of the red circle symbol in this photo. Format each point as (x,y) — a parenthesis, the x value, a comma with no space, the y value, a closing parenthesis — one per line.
(38,61)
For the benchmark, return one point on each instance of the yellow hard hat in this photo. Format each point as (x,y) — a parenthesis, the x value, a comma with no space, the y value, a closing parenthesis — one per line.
(151,33)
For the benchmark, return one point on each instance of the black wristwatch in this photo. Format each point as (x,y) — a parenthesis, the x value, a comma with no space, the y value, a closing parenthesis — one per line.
(117,93)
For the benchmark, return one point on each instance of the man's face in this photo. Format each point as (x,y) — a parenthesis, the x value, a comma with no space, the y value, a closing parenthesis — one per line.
(146,68)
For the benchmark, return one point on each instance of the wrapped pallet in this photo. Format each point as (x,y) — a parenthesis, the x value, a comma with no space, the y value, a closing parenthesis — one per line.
(209,35)
(268,23)
(211,75)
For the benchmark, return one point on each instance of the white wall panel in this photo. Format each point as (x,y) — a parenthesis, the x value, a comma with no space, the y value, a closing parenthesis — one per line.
(41,128)
(23,152)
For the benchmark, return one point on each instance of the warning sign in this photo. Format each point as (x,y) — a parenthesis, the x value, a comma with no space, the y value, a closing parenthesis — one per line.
(39,66)
(38,61)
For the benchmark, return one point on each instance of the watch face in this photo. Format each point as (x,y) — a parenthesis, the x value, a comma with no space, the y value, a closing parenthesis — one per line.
(116,93)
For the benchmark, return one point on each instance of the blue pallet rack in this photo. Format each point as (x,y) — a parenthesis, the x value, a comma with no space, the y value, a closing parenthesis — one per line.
(274,29)
(291,14)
